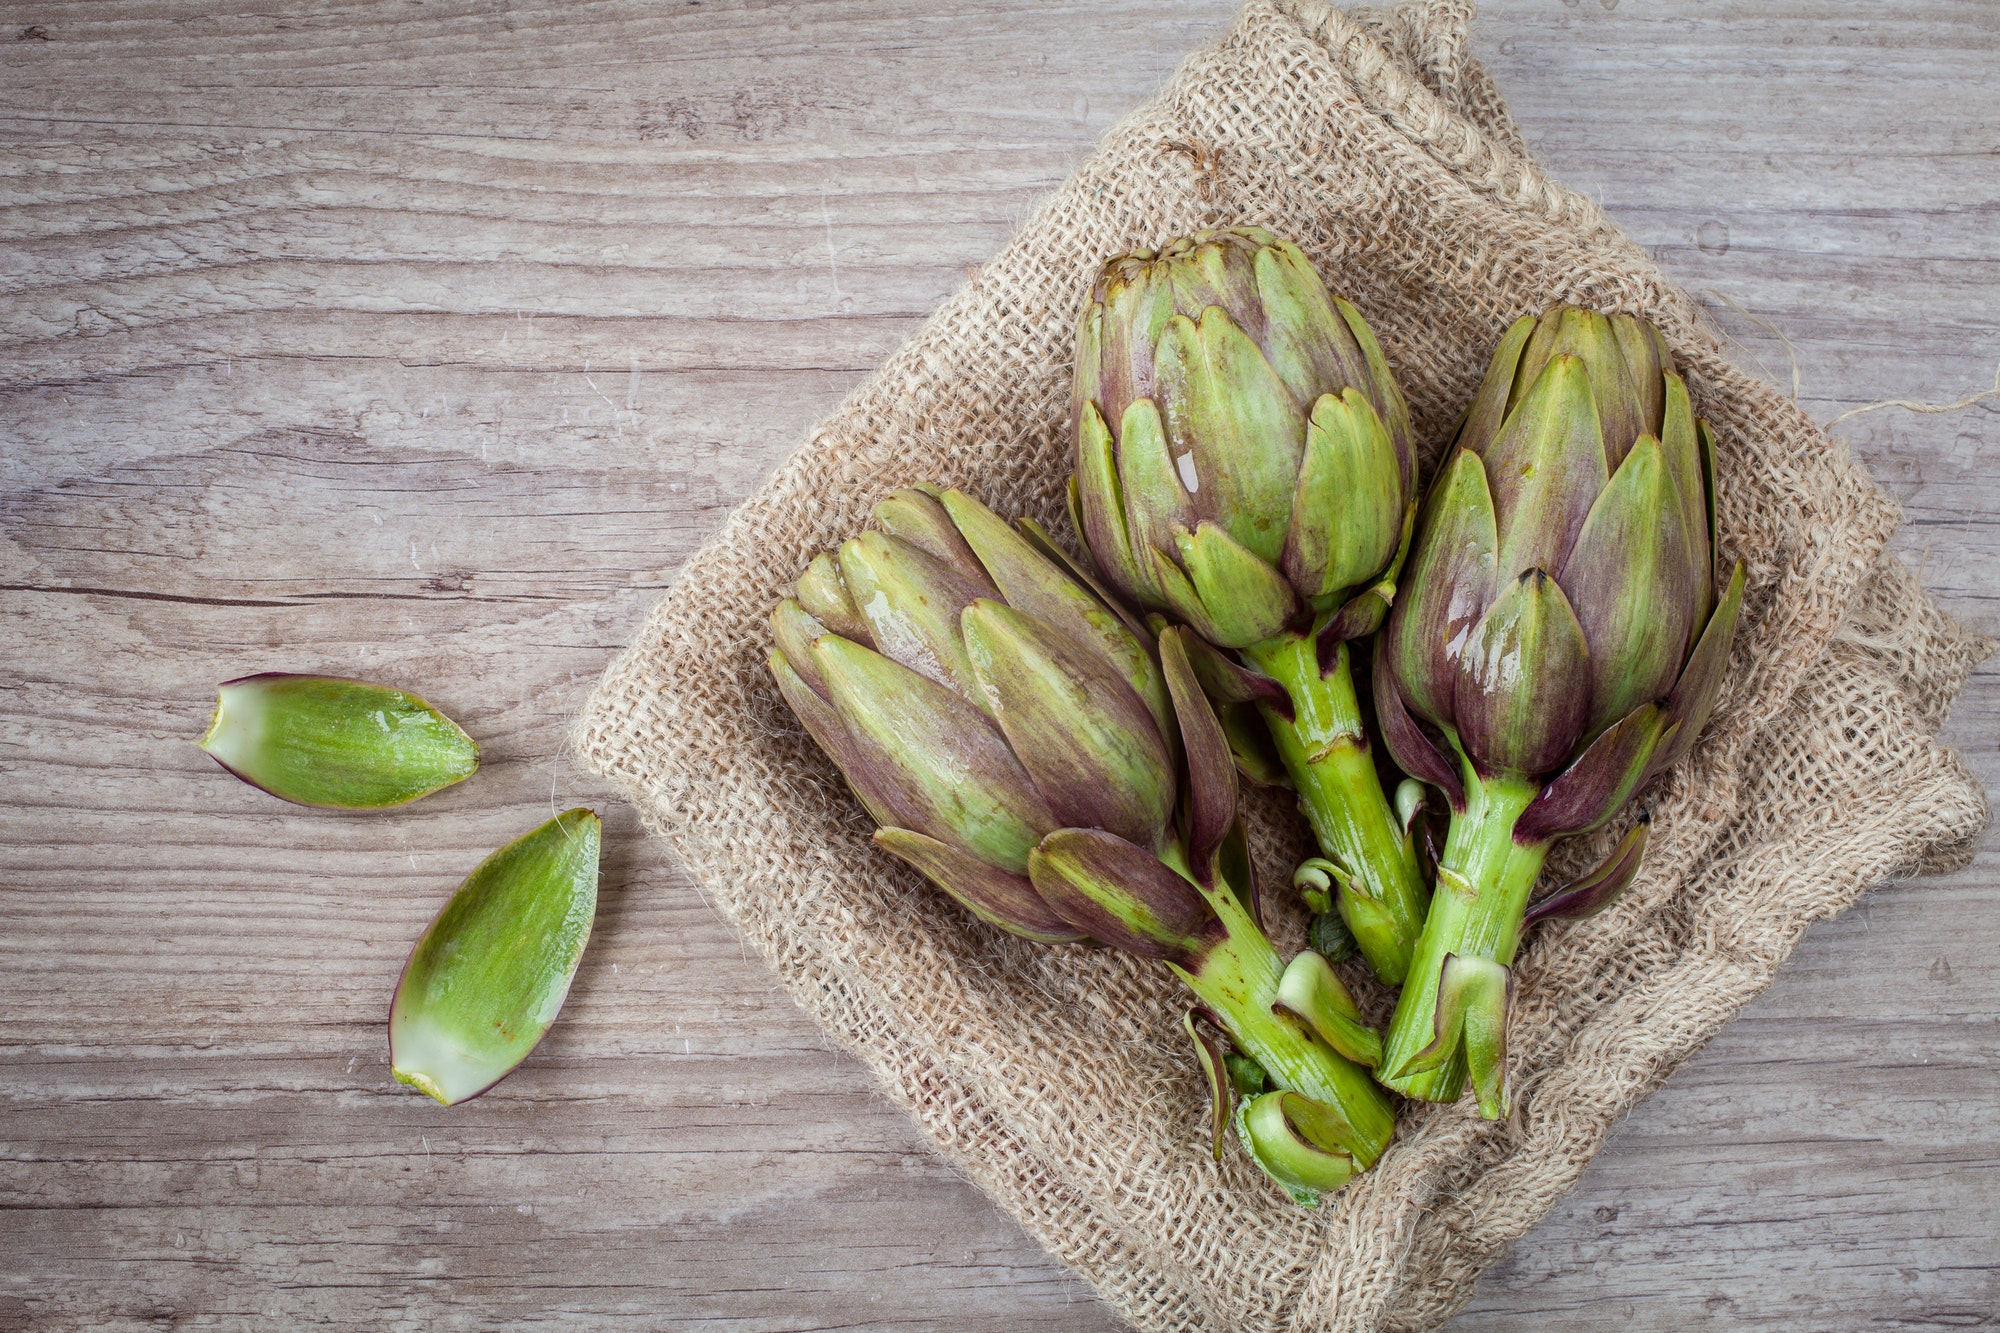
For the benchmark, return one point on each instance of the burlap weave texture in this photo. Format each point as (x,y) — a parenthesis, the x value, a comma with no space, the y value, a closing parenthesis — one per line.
(1058,1079)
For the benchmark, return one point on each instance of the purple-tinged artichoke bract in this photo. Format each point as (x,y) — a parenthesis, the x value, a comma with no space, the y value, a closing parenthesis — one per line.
(1033,751)
(1244,466)
(1560,639)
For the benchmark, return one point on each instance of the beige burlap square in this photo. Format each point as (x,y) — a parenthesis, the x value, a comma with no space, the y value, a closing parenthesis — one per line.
(1057,1079)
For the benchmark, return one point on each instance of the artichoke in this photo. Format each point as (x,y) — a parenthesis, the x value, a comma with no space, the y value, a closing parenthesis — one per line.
(1559,640)
(1244,466)
(1025,745)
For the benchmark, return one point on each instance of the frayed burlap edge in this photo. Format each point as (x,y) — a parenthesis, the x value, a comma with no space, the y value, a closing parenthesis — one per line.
(1053,1077)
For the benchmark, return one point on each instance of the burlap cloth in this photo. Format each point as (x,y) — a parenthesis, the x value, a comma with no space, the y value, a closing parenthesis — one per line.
(1058,1078)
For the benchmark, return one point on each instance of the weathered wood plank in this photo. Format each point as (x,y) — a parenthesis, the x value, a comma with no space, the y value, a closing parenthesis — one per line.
(424,341)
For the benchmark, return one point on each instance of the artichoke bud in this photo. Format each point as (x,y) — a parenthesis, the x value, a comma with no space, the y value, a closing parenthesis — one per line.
(1561,584)
(1219,385)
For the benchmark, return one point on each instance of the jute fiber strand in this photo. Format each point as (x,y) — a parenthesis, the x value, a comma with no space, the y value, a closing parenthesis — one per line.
(1058,1078)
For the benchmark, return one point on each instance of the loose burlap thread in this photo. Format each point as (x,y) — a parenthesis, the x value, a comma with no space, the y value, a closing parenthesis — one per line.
(1057,1078)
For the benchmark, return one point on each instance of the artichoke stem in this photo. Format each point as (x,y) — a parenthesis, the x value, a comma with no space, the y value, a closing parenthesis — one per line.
(1484,878)
(1325,749)
(1237,978)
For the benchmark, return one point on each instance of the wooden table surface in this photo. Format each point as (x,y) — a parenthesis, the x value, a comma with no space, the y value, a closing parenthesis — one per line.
(423,341)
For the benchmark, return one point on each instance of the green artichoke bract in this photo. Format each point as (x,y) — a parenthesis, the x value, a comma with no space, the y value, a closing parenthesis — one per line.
(1558,642)
(1024,744)
(491,972)
(342,744)
(1244,466)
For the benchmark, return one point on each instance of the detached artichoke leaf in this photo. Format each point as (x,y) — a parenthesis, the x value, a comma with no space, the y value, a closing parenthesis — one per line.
(338,744)
(1601,887)
(1311,991)
(1121,894)
(988,892)
(1208,1053)
(490,974)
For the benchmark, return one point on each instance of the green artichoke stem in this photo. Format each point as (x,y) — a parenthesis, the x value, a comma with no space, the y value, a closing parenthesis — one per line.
(1484,878)
(1325,749)
(1237,978)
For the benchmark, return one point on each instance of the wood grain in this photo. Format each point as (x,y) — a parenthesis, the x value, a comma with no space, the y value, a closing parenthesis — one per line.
(423,341)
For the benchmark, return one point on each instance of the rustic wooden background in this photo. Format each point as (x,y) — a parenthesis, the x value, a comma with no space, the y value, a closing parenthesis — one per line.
(423,341)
